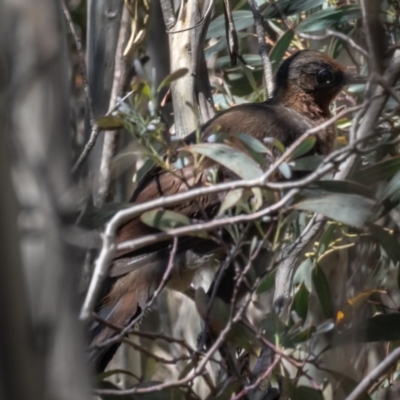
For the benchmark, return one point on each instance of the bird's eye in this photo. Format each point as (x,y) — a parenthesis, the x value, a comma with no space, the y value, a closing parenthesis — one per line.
(324,77)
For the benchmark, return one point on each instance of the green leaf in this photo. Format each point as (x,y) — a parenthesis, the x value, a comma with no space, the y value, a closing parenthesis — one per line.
(231,199)
(308,163)
(352,210)
(326,238)
(179,73)
(390,197)
(165,220)
(381,328)
(380,171)
(285,170)
(322,289)
(387,241)
(303,148)
(328,18)
(304,392)
(267,282)
(276,143)
(235,160)
(290,7)
(300,301)
(253,143)
(242,20)
(345,187)
(281,46)
(110,122)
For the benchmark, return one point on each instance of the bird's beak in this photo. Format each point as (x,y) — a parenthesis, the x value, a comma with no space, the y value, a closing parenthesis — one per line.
(353,79)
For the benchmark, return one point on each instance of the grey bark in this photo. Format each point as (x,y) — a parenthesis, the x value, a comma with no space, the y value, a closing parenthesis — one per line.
(41,344)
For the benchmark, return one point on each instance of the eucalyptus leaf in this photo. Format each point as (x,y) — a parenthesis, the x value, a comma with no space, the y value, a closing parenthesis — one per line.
(179,73)
(352,210)
(380,171)
(323,291)
(253,143)
(290,7)
(387,241)
(303,148)
(307,163)
(281,46)
(165,220)
(231,199)
(110,122)
(390,197)
(381,328)
(267,282)
(235,160)
(242,20)
(328,18)
(345,187)
(285,170)
(300,301)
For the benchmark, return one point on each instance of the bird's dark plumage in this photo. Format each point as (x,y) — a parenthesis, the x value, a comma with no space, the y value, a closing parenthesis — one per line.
(306,84)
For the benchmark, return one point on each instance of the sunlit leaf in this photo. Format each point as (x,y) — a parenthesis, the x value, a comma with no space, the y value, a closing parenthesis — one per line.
(233,159)
(110,122)
(276,143)
(253,143)
(352,210)
(285,170)
(231,199)
(179,73)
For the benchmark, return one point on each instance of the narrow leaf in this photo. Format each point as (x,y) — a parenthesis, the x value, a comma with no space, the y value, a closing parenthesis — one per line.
(235,160)
(322,289)
(387,241)
(380,171)
(303,148)
(281,46)
(351,210)
(300,302)
(110,122)
(179,73)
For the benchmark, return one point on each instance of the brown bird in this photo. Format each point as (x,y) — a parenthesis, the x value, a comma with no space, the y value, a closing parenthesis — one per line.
(305,85)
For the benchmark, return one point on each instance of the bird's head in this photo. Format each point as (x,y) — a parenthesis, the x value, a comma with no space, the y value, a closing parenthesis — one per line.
(311,79)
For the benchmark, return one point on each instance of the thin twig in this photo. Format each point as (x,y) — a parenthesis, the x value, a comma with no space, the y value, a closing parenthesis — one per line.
(370,379)
(262,47)
(82,65)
